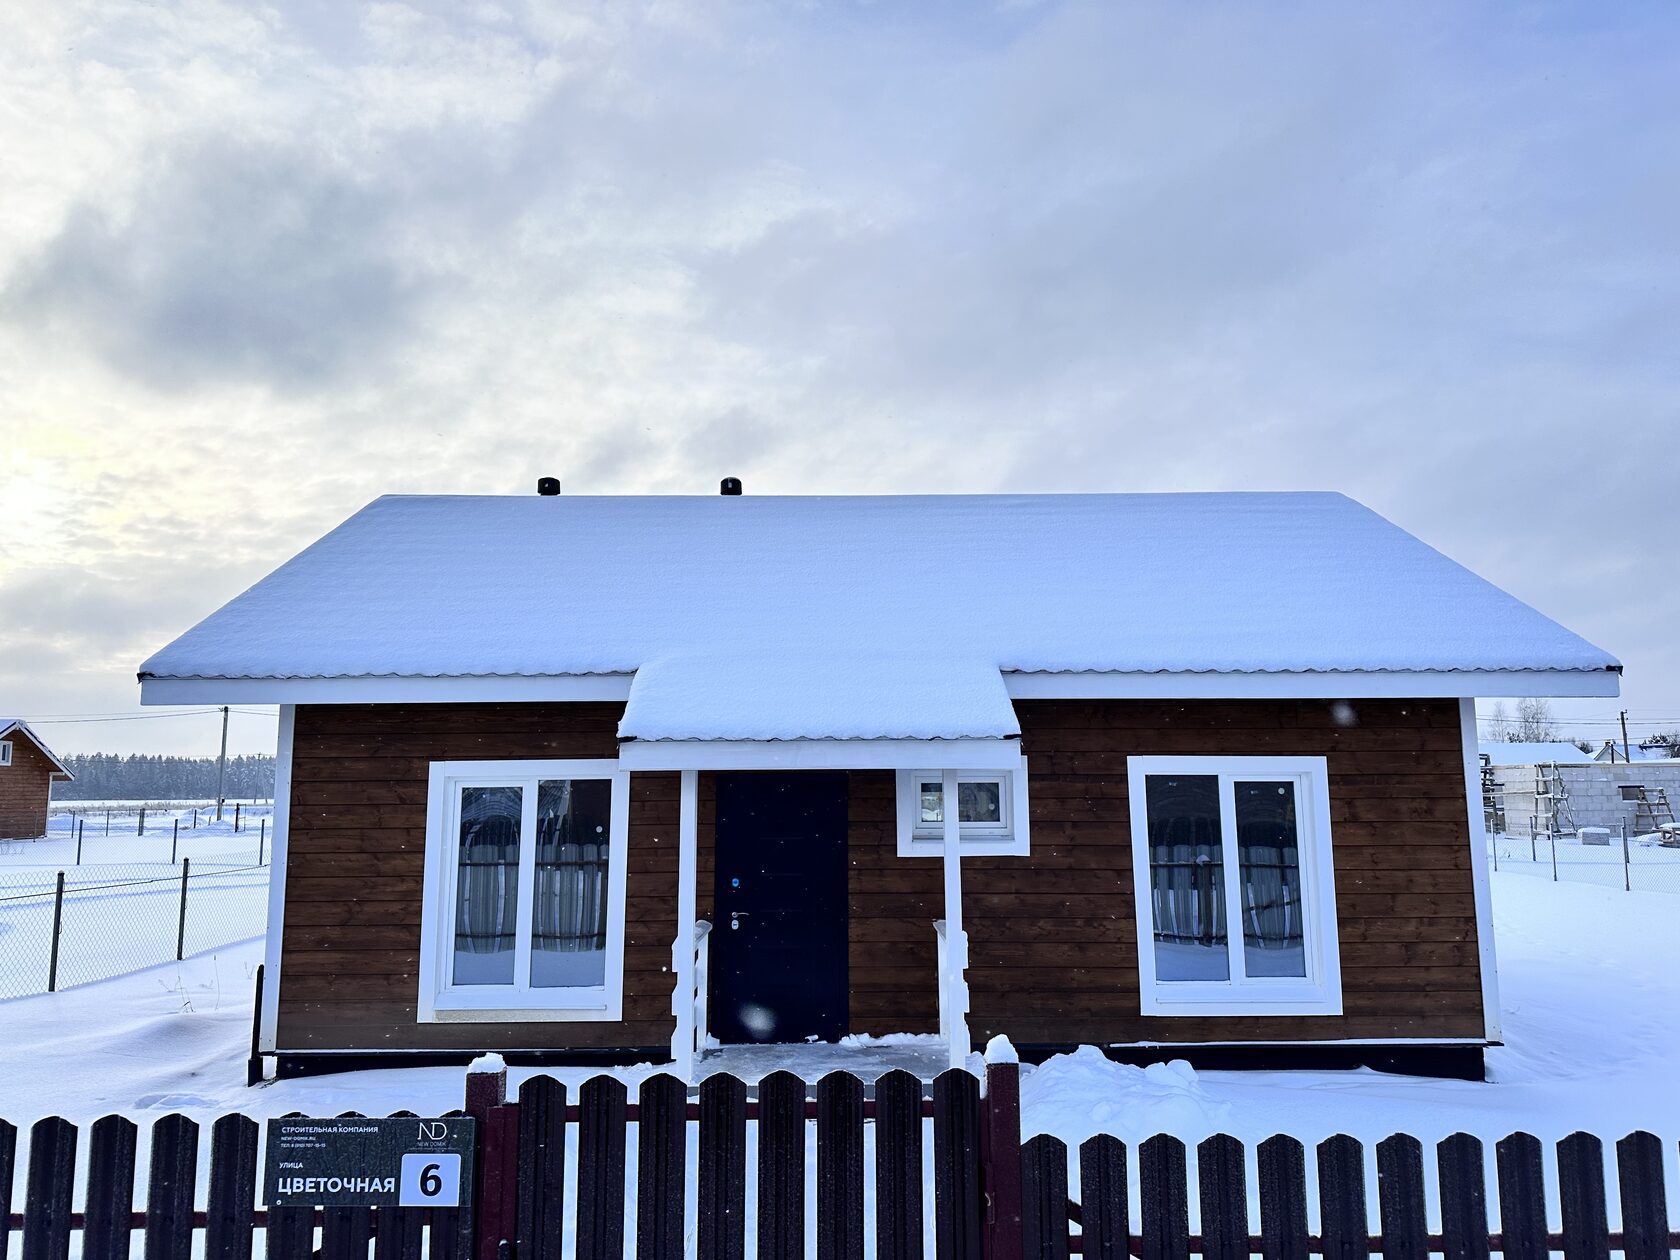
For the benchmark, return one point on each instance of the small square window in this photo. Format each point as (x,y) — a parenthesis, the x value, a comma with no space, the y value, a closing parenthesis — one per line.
(5,752)
(991,812)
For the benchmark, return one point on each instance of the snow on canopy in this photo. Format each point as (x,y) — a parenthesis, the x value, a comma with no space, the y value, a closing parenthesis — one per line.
(747,587)
(796,695)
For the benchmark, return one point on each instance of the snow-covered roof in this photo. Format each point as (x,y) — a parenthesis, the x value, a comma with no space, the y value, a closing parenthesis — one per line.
(1612,751)
(705,593)
(1507,753)
(17,726)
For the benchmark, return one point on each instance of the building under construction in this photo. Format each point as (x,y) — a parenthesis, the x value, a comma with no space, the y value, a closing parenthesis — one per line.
(1555,789)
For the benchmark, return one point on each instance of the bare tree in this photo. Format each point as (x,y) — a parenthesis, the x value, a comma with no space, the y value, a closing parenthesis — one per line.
(1499,723)
(1535,723)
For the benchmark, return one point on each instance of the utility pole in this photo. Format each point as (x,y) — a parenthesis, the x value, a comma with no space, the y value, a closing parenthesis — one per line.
(221,765)
(1626,756)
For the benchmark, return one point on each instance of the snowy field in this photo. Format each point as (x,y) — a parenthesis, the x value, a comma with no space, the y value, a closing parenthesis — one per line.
(122,908)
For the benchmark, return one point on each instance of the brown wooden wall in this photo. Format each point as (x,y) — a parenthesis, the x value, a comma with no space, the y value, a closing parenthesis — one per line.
(1053,949)
(25,790)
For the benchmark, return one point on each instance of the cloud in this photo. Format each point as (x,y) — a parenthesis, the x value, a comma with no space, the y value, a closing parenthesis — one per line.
(236,262)
(257,267)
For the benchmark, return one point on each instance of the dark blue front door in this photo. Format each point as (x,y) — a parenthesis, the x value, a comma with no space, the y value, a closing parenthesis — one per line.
(778,944)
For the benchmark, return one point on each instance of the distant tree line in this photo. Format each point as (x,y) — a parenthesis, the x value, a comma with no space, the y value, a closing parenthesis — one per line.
(137,777)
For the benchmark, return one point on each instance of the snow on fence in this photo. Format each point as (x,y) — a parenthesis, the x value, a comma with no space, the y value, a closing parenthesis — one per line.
(1634,863)
(982,1194)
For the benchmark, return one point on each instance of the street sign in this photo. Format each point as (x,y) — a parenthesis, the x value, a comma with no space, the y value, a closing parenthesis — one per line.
(406,1162)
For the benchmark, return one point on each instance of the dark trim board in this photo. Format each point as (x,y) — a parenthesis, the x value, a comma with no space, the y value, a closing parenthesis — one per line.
(289,1064)
(1447,1062)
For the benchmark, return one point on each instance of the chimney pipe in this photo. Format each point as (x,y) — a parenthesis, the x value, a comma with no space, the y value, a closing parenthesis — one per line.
(730,485)
(548,486)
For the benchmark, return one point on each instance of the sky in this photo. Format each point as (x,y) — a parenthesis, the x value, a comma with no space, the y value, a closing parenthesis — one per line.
(259,265)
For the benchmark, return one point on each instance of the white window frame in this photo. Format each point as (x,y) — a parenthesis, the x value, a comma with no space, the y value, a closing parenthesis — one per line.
(1008,838)
(5,752)
(1320,993)
(440,1001)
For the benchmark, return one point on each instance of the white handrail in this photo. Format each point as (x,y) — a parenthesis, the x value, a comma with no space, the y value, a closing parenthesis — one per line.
(702,966)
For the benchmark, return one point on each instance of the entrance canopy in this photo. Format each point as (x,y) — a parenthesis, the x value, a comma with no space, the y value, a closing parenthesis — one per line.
(800,709)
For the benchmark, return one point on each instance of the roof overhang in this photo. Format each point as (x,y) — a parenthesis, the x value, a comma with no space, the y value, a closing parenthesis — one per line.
(9,729)
(1020,685)
(820,754)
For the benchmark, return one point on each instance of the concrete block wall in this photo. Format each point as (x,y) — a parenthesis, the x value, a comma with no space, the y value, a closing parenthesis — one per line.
(1595,797)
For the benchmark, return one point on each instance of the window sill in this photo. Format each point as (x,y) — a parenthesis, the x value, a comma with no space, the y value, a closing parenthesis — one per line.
(1225,1000)
(453,1009)
(967,846)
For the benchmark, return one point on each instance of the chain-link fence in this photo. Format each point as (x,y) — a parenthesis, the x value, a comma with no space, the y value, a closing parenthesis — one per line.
(66,926)
(1619,859)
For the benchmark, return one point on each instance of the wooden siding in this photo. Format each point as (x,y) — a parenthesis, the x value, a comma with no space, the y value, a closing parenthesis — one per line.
(1053,937)
(25,790)
(1053,948)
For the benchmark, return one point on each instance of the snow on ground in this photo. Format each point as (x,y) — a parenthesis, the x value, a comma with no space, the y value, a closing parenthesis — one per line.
(1590,995)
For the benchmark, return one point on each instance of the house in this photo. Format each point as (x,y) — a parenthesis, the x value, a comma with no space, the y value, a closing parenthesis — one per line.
(609,779)
(28,769)
(1615,750)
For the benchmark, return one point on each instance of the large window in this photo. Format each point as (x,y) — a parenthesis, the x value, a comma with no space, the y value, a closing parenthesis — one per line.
(991,812)
(1236,905)
(524,891)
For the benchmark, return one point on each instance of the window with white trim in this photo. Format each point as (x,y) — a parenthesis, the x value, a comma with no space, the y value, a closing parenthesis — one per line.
(525,884)
(5,752)
(991,812)
(1236,913)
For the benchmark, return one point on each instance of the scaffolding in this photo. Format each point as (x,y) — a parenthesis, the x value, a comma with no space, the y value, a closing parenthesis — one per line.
(1493,799)
(1552,815)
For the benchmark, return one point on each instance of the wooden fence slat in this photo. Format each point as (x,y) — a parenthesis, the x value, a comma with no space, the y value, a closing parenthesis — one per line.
(1283,1198)
(229,1219)
(1105,1225)
(540,1217)
(898,1167)
(46,1196)
(1222,1184)
(170,1188)
(1400,1196)
(446,1234)
(839,1167)
(346,1233)
(8,1169)
(291,1230)
(1586,1231)
(722,1210)
(108,1221)
(1164,1189)
(1343,1224)
(600,1206)
(661,1167)
(398,1233)
(1522,1198)
(1639,1175)
(956,1166)
(1044,1198)
(781,1167)
(1464,1214)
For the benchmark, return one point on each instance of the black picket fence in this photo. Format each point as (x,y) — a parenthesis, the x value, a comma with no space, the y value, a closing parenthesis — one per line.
(992,1198)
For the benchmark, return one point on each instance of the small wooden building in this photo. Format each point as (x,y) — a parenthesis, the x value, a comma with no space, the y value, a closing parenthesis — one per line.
(605,779)
(28,769)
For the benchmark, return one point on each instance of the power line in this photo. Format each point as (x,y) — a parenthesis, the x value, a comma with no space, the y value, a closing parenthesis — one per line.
(73,719)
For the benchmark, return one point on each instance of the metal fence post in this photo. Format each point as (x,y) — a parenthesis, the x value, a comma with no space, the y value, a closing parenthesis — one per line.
(1532,856)
(175,842)
(1627,870)
(142,828)
(236,815)
(58,922)
(1551,843)
(181,928)
(262,839)
(195,818)
(78,842)
(1494,842)
(107,822)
